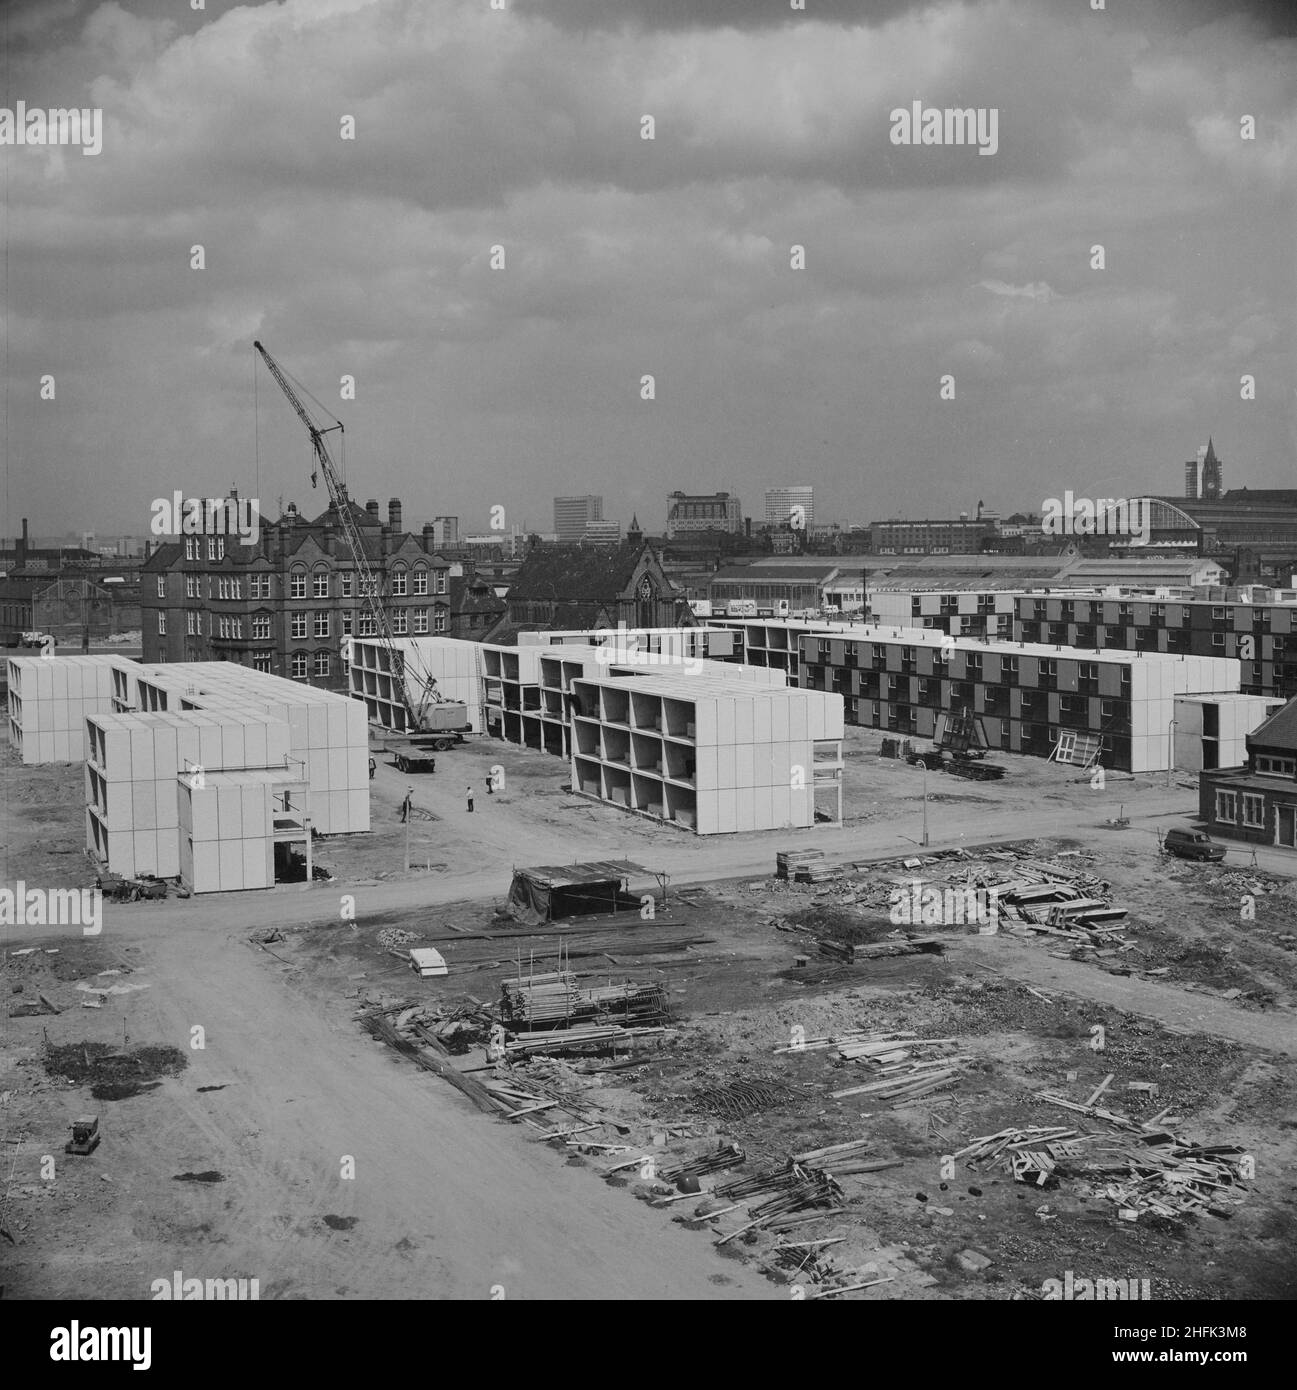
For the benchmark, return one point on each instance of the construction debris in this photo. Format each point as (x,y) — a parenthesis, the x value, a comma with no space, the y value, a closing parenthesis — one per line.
(1139,1167)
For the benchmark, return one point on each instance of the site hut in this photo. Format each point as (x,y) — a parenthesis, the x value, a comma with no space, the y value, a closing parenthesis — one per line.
(1049,701)
(708,753)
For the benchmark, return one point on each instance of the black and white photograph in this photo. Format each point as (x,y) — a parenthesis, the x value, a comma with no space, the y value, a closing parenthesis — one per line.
(650,655)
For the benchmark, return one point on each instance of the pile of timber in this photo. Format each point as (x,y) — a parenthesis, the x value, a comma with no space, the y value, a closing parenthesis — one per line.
(900,1077)
(848,1158)
(580,1037)
(725,1156)
(852,1035)
(434,1058)
(890,946)
(1137,1166)
(555,999)
(804,866)
(787,1191)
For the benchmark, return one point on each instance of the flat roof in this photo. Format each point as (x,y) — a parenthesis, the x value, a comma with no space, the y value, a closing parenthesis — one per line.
(930,637)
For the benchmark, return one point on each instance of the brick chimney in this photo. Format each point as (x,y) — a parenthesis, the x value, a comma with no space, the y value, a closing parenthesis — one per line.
(394,514)
(429,537)
(372,507)
(21,547)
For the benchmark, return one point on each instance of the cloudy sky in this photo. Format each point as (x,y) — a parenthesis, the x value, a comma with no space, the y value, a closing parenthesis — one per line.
(521,127)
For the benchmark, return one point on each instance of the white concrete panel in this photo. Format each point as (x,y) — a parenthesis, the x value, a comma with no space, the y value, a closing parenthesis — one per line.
(144,811)
(168,842)
(231,865)
(203,816)
(233,753)
(317,769)
(708,713)
(209,747)
(763,801)
(726,772)
(229,813)
(258,863)
(744,726)
(317,726)
(747,811)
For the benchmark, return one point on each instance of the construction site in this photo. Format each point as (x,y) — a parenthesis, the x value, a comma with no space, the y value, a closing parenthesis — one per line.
(632,964)
(978,1035)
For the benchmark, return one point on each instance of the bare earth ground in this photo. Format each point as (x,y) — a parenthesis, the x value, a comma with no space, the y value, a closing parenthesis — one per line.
(446,1202)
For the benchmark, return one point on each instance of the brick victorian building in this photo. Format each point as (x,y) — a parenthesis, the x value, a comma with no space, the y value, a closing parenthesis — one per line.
(285,603)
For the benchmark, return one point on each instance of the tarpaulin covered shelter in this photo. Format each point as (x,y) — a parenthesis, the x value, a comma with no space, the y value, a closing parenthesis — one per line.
(547,892)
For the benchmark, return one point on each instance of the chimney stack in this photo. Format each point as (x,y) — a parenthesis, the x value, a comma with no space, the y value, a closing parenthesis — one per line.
(394,514)
(372,507)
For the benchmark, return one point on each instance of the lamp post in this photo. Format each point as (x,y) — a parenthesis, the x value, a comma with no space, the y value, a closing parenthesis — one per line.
(924,841)
(1170,751)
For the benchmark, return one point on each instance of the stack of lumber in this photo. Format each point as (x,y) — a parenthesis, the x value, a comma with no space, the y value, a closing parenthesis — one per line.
(900,1077)
(579,1037)
(1138,1167)
(852,1035)
(554,999)
(804,866)
(908,1083)
(843,1159)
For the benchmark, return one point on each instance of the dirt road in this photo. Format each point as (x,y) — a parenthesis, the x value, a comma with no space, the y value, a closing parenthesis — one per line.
(445,1202)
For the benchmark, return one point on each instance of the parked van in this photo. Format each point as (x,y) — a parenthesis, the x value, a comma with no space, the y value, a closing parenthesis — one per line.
(1193,844)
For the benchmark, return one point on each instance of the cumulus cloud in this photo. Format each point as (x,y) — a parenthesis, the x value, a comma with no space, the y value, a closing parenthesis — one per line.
(521,128)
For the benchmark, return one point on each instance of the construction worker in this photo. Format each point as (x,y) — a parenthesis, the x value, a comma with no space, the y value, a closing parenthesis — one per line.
(490,784)
(373,766)
(470,800)
(407,806)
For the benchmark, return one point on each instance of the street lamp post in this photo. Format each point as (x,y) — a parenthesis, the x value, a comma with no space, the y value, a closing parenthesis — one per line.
(1170,751)
(924,842)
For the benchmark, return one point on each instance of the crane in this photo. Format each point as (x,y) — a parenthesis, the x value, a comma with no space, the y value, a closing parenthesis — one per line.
(366,578)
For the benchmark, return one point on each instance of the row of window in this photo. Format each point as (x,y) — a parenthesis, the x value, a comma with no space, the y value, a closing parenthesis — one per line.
(302,624)
(1250,806)
(1277,767)
(414,581)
